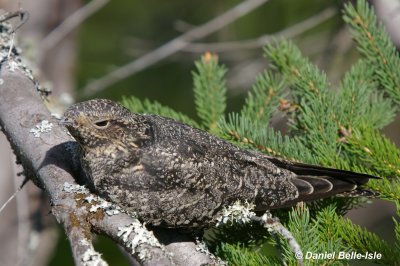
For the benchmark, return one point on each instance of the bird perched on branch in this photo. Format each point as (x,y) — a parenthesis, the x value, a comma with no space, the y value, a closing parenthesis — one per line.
(174,175)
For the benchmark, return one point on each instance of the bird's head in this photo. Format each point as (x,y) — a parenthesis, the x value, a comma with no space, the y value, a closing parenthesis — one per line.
(100,122)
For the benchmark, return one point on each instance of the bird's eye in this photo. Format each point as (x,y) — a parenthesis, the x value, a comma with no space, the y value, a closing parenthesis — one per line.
(102,123)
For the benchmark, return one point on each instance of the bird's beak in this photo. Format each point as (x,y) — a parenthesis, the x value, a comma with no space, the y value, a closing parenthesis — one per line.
(66,122)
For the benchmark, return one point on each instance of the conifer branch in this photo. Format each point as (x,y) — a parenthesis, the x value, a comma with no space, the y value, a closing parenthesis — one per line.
(263,99)
(314,120)
(153,107)
(376,152)
(375,44)
(359,102)
(209,90)
(359,239)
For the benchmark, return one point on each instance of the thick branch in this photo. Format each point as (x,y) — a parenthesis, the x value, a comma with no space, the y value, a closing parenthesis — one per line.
(20,110)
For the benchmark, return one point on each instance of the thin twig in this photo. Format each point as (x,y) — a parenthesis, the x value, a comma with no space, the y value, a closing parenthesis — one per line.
(274,226)
(23,16)
(23,223)
(234,46)
(172,46)
(11,45)
(290,32)
(70,23)
(13,195)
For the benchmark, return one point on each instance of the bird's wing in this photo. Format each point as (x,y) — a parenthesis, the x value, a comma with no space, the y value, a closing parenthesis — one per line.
(311,181)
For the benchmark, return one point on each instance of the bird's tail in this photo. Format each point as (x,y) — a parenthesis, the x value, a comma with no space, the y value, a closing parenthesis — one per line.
(314,182)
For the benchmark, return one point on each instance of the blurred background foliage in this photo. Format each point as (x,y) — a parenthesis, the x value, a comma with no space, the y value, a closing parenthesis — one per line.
(124,30)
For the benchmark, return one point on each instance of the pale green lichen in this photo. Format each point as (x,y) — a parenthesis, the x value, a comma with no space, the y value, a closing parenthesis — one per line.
(142,239)
(99,203)
(91,257)
(75,188)
(10,54)
(95,201)
(43,127)
(237,213)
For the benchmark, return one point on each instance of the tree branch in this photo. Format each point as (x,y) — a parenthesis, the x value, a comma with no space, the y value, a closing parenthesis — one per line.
(290,32)
(172,46)
(234,46)
(73,21)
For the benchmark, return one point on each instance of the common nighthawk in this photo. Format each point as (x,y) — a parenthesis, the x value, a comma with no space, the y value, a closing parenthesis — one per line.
(174,175)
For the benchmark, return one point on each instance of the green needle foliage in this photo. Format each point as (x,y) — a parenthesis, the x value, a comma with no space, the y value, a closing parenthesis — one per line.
(375,45)
(240,255)
(313,120)
(359,239)
(263,100)
(337,128)
(324,238)
(149,107)
(209,90)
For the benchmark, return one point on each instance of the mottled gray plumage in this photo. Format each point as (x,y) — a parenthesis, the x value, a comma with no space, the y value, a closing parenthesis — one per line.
(177,176)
